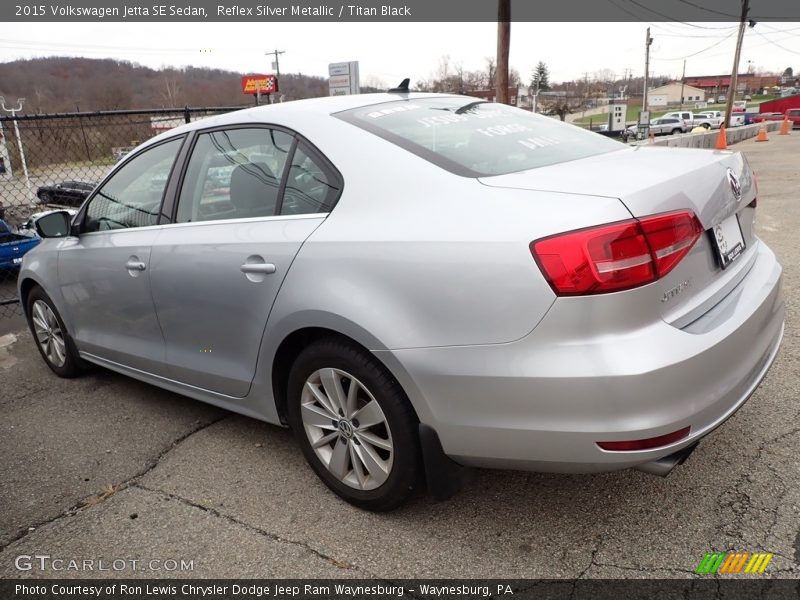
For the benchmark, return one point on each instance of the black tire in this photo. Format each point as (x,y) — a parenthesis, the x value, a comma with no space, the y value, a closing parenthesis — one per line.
(406,470)
(675,131)
(73,364)
(46,198)
(706,126)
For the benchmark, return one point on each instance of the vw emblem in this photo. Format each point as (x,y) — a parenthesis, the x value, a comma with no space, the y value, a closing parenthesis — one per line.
(345,428)
(736,187)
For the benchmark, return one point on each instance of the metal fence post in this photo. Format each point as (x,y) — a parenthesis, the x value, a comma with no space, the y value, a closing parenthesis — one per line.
(186,114)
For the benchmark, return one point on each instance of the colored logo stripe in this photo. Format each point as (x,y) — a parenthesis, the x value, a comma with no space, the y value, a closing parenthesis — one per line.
(734,562)
(758,563)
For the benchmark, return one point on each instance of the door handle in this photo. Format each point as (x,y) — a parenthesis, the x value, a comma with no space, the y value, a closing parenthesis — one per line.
(259,268)
(135,265)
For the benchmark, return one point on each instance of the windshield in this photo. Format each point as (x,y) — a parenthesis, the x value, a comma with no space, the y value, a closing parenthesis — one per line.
(477,139)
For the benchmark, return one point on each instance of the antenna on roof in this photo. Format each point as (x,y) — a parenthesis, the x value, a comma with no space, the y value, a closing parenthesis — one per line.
(402,88)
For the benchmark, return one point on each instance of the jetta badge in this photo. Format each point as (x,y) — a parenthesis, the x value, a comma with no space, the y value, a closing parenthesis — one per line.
(736,187)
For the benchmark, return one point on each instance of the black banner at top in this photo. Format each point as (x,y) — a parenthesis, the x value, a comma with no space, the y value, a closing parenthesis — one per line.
(394,10)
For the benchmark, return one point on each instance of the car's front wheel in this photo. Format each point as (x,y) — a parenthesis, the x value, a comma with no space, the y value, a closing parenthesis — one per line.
(355,424)
(46,197)
(51,335)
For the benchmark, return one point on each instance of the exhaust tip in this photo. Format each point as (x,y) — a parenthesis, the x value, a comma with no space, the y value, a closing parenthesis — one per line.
(663,466)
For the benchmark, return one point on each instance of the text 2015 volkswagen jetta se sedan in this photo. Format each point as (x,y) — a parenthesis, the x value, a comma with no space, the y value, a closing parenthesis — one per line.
(406,279)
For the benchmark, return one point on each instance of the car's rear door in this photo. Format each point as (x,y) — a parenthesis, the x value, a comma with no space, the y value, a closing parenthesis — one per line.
(104,271)
(238,225)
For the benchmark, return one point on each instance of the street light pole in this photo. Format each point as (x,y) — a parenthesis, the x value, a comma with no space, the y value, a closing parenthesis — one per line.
(14,111)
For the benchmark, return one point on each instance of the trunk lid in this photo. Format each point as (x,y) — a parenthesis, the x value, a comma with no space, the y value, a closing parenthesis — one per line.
(652,180)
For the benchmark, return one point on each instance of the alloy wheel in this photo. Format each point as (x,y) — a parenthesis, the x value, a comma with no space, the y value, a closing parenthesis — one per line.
(347,428)
(48,333)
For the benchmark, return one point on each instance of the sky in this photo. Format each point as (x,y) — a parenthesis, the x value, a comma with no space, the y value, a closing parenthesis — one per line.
(389,52)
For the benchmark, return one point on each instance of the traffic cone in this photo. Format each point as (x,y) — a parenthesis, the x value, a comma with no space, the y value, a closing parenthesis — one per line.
(785,126)
(722,139)
(762,135)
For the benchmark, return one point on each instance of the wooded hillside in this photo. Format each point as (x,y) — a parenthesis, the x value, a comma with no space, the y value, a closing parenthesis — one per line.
(61,84)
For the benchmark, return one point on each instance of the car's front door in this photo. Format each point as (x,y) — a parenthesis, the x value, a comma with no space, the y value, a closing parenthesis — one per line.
(217,270)
(104,271)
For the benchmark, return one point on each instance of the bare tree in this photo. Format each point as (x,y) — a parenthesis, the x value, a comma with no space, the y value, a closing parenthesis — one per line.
(172,89)
(491,69)
(560,106)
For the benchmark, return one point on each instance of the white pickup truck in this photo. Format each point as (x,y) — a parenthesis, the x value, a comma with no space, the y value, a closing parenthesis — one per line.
(710,119)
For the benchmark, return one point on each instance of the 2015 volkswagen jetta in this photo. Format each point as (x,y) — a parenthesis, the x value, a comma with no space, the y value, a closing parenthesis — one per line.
(406,279)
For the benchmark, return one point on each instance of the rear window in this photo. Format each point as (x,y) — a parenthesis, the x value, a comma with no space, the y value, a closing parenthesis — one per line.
(477,139)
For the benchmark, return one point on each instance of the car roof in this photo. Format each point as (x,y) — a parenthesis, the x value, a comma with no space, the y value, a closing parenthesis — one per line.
(326,105)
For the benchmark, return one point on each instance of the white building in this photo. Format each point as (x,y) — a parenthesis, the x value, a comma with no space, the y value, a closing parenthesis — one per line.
(671,94)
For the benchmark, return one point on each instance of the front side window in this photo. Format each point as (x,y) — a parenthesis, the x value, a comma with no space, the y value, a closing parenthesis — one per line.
(132,196)
(477,138)
(234,174)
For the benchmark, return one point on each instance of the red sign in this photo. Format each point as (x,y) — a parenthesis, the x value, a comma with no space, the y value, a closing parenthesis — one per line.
(266,84)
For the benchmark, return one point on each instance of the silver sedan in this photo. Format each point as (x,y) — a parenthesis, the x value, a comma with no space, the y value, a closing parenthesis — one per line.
(416,283)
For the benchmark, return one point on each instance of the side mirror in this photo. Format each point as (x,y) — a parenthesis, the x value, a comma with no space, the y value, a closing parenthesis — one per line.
(54,225)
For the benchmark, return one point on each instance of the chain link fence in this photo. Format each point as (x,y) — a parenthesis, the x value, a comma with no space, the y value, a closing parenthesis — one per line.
(53,161)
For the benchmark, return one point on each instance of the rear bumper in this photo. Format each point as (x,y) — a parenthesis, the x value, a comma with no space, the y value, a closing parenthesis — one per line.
(543,402)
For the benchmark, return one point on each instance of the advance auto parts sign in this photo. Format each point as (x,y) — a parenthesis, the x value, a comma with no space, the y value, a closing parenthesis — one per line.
(266,84)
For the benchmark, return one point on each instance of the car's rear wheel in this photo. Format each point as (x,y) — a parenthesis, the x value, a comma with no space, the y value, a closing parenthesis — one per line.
(354,423)
(46,198)
(51,335)
(675,131)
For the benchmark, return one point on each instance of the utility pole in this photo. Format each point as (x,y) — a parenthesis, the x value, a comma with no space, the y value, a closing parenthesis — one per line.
(683,83)
(277,66)
(503,43)
(647,42)
(644,129)
(14,111)
(735,72)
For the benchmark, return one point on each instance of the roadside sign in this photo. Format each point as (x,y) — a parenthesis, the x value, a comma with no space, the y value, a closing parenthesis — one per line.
(339,69)
(264,84)
(343,78)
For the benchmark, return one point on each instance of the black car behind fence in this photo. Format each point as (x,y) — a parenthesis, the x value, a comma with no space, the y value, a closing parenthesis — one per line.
(52,161)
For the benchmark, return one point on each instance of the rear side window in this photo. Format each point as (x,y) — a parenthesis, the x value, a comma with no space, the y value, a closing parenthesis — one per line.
(476,139)
(234,174)
(310,187)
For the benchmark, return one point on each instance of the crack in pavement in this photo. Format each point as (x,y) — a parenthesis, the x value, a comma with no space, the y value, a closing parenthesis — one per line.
(339,564)
(100,498)
(739,502)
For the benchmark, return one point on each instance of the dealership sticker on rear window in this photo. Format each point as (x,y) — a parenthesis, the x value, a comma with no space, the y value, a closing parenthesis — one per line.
(729,240)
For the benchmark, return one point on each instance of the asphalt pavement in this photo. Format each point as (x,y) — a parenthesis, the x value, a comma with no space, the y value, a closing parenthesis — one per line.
(107,468)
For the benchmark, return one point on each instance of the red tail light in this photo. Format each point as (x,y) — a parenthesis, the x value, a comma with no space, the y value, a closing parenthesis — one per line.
(617,256)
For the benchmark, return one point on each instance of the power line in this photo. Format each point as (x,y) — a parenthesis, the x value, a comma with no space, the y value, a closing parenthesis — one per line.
(708,10)
(717,43)
(667,17)
(776,44)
